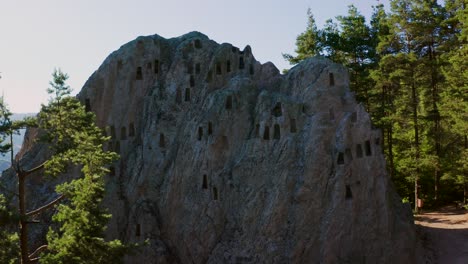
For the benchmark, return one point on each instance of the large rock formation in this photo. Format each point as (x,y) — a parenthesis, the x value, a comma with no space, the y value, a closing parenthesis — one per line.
(225,160)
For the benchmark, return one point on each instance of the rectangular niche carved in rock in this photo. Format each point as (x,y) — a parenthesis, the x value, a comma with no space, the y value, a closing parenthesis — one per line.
(200,133)
(241,63)
(138,230)
(332,79)
(197,68)
(111,171)
(192,81)
(139,74)
(348,154)
(162,141)
(218,68)
(349,194)
(156,66)
(229,102)
(215,193)
(257,130)
(368,148)
(140,45)
(187,94)
(340,158)
(112,132)
(359,150)
(87,105)
(149,66)
(205,182)
(293,125)
(210,128)
(178,96)
(266,133)
(276,132)
(110,146)
(277,111)
(123,133)
(197,44)
(251,69)
(228,66)
(131,130)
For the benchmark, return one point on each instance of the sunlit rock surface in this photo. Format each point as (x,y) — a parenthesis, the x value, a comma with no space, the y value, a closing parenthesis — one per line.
(225,160)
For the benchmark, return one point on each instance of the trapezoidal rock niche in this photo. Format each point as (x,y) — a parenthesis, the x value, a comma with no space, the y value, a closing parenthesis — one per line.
(225,160)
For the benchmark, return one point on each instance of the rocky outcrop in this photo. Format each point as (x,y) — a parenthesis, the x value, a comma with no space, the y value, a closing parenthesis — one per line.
(225,160)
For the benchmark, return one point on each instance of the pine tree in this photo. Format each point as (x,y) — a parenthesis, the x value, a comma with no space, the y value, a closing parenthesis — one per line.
(74,140)
(308,43)
(382,95)
(409,70)
(357,48)
(9,249)
(428,23)
(349,42)
(454,99)
(82,220)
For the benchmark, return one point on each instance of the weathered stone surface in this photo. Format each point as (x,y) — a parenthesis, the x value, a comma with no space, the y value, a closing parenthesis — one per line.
(225,160)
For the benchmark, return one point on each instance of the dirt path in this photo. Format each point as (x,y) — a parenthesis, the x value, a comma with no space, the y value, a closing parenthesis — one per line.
(444,235)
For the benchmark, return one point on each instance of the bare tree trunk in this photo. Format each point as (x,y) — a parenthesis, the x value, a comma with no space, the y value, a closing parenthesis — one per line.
(387,128)
(416,141)
(436,117)
(23,219)
(465,182)
(24,215)
(465,190)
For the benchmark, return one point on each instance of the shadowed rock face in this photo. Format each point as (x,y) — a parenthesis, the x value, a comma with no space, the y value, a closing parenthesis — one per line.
(225,160)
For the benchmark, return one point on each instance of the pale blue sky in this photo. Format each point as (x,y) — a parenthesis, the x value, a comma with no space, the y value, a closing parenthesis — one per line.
(37,36)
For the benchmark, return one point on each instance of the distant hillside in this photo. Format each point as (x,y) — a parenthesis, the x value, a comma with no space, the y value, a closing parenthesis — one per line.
(17,142)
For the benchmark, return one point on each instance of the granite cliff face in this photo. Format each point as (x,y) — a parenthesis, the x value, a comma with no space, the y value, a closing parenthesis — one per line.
(225,160)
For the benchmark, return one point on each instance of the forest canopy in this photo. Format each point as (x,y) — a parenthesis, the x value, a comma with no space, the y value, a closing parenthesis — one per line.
(408,67)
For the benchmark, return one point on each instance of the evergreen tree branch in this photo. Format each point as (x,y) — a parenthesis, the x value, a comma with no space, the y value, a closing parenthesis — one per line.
(45,207)
(37,251)
(25,173)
